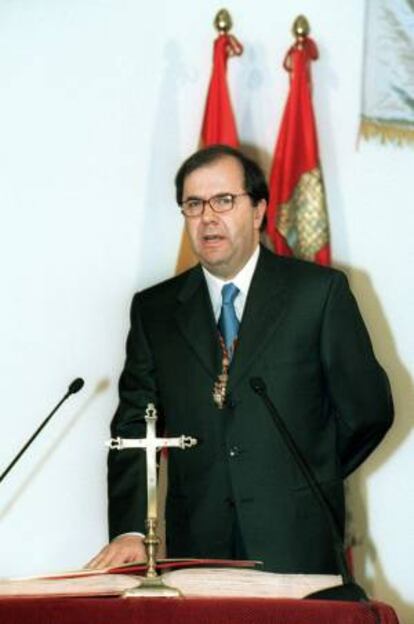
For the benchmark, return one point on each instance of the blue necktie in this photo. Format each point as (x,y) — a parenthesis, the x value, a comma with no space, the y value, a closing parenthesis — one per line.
(228,323)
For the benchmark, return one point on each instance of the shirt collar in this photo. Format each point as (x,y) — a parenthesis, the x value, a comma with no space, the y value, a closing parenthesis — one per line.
(242,280)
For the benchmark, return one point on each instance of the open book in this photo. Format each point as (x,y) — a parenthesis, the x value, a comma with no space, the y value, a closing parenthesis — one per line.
(215,581)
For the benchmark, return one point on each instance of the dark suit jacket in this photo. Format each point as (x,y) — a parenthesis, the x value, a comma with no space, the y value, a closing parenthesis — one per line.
(303,334)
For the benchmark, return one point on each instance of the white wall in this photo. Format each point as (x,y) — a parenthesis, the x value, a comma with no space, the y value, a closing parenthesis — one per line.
(100,101)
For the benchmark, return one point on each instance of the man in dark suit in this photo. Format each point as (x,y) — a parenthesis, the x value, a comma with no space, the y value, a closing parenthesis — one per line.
(196,341)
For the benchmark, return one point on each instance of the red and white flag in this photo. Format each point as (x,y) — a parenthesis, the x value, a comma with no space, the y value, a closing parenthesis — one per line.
(297,220)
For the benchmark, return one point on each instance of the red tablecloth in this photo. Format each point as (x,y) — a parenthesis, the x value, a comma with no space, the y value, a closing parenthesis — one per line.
(190,611)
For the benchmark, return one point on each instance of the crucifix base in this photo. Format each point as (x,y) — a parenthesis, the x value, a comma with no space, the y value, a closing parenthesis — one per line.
(152,587)
(152,584)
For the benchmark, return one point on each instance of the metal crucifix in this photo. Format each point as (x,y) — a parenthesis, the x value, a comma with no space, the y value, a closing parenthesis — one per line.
(151,444)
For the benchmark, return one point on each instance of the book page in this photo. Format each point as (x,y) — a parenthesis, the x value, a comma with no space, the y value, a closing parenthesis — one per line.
(227,582)
(98,585)
(203,582)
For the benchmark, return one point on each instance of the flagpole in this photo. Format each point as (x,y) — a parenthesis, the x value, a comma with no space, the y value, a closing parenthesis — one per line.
(301,28)
(223,22)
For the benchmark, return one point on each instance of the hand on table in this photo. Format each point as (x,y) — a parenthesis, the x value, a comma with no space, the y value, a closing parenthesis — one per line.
(123,549)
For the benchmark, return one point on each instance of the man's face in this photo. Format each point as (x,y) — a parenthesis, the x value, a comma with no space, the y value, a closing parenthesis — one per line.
(223,242)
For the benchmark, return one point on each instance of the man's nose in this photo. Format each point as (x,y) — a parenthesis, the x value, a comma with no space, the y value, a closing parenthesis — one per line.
(208,213)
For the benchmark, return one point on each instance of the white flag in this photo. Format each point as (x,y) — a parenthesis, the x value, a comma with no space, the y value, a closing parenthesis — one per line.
(388,88)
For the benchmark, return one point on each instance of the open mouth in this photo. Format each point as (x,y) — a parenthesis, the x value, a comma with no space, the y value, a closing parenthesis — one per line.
(210,238)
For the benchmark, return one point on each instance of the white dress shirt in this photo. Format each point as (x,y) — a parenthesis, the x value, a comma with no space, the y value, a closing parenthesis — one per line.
(242,280)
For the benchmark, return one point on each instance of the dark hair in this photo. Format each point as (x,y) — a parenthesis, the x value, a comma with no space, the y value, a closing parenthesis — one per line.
(254,181)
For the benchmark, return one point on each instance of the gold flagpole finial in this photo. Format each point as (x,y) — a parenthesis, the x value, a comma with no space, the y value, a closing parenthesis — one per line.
(300,28)
(223,21)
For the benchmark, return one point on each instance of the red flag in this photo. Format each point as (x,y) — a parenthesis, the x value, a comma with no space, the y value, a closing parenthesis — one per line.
(219,125)
(297,221)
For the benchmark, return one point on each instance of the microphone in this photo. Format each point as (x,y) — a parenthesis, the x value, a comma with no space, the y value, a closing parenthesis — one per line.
(76,385)
(350,590)
(73,388)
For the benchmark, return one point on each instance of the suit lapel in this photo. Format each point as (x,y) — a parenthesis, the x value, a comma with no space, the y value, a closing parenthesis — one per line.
(265,306)
(196,322)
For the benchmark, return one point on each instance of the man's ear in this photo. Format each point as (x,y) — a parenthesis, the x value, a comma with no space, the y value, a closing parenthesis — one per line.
(259,213)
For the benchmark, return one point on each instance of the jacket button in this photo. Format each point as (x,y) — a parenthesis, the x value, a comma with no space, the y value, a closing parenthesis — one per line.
(235,451)
(231,401)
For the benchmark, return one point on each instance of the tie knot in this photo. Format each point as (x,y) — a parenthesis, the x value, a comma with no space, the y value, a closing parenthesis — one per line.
(229,292)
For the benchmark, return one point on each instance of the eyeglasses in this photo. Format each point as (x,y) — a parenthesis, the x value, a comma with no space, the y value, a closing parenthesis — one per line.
(194,207)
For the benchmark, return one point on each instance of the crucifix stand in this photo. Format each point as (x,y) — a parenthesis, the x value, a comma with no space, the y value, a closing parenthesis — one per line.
(152,584)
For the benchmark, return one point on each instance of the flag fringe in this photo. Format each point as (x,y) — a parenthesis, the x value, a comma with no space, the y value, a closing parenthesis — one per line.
(386,132)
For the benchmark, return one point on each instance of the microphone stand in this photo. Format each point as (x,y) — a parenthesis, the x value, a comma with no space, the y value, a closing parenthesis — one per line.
(350,590)
(74,387)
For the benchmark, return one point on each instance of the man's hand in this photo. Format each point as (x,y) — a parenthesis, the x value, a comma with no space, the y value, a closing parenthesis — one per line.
(123,549)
